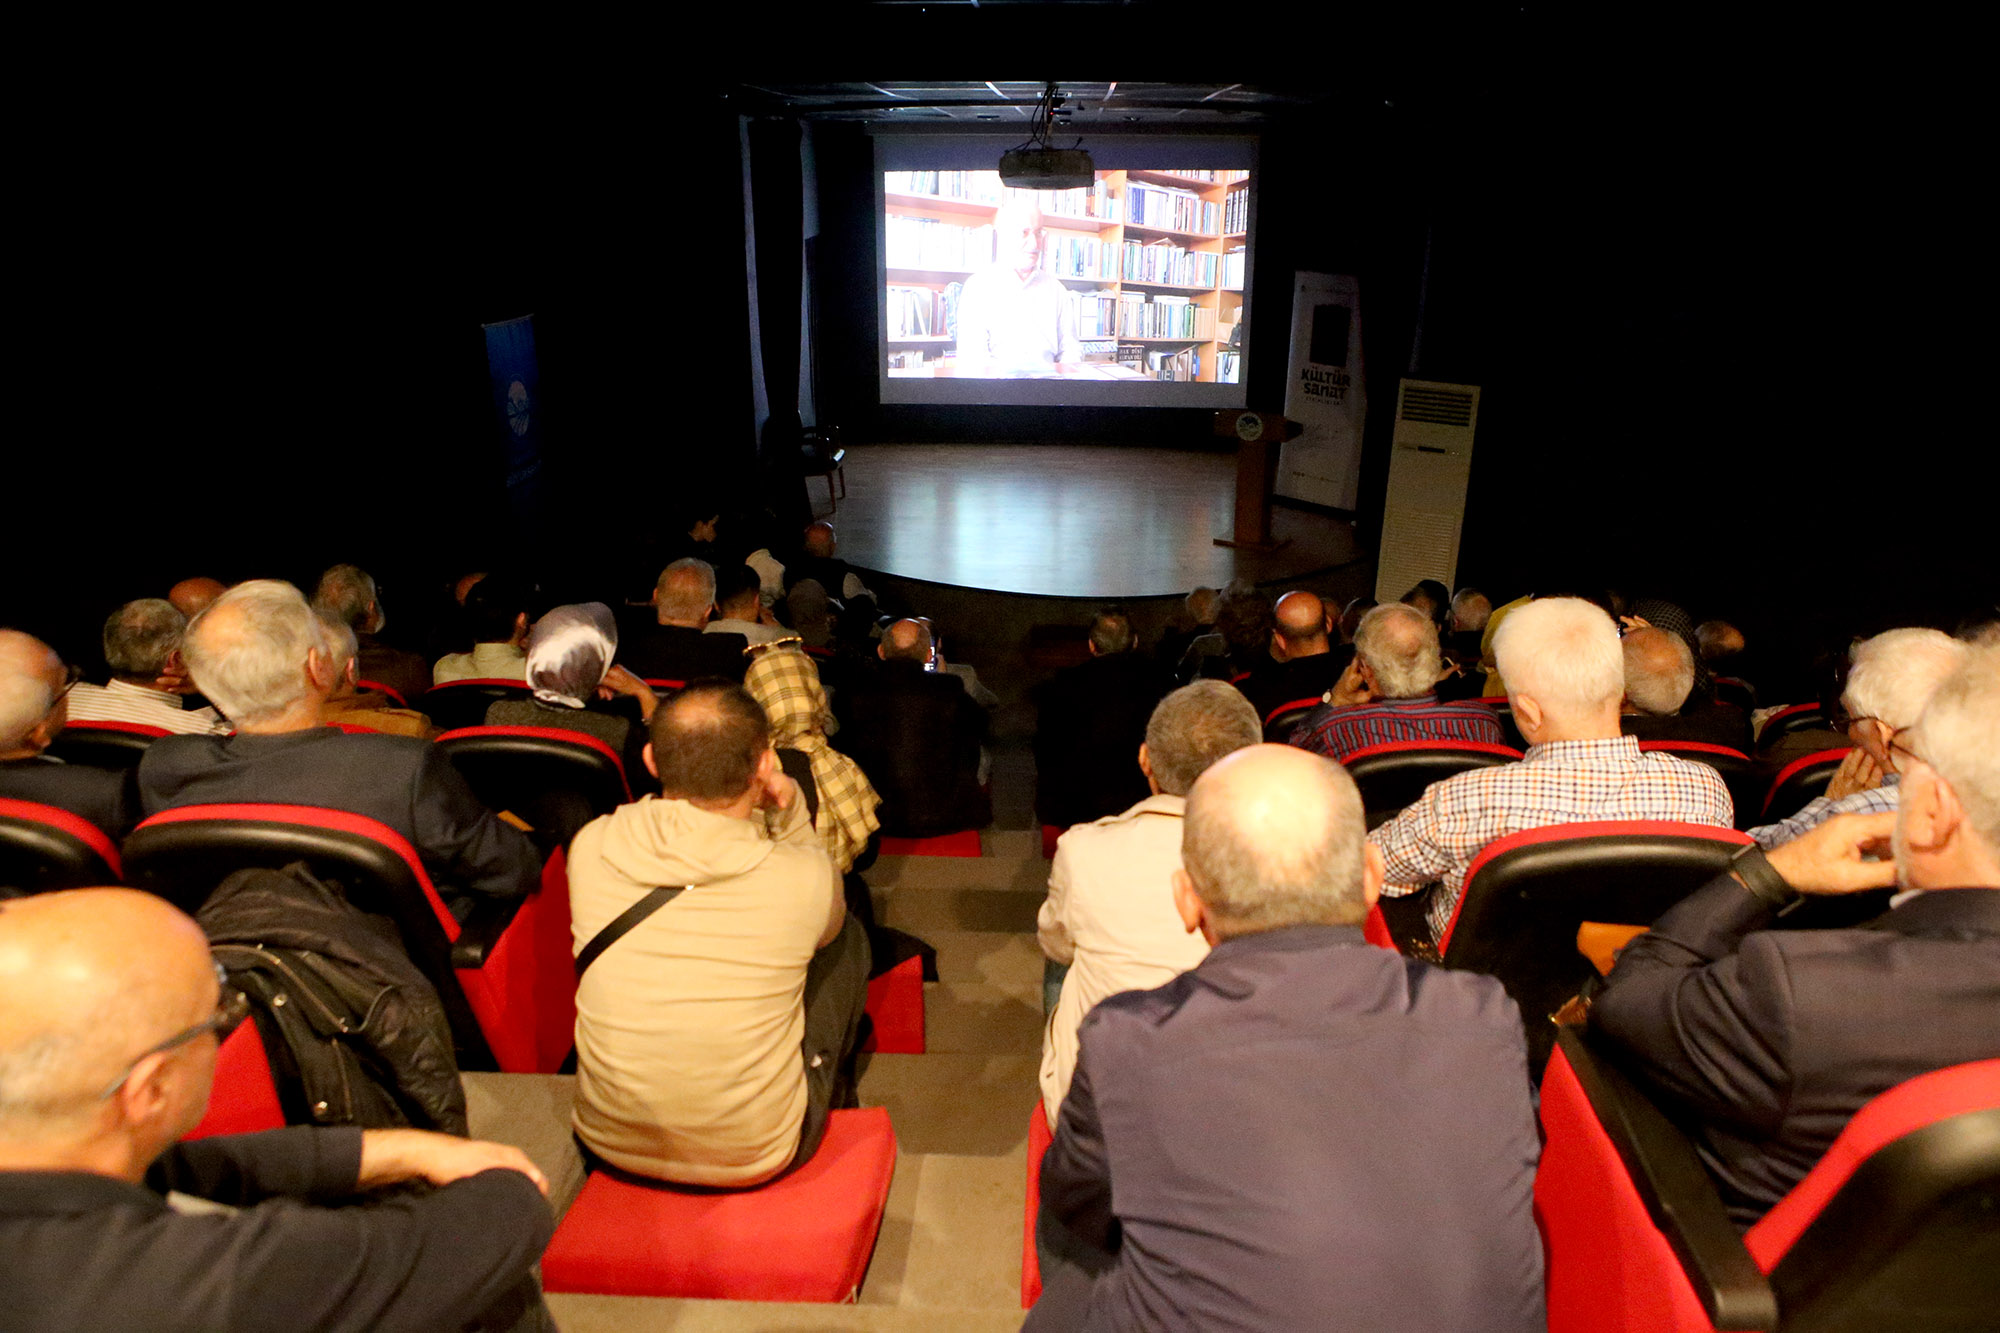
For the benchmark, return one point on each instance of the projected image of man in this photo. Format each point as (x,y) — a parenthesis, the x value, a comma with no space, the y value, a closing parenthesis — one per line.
(1015,319)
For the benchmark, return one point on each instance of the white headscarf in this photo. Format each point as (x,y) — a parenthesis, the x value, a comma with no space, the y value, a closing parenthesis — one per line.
(569,650)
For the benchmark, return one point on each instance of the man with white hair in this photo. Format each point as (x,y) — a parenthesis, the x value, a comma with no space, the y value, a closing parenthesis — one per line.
(1014,318)
(1389,692)
(1303,1129)
(1771,1040)
(1110,912)
(347,593)
(142,645)
(1565,679)
(1890,679)
(263,656)
(1659,683)
(669,644)
(34,707)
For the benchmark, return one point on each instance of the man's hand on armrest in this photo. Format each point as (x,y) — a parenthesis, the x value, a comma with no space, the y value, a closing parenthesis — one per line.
(1832,858)
(390,1156)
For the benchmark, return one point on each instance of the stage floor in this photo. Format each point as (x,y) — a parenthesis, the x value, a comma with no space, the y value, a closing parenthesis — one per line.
(1063,520)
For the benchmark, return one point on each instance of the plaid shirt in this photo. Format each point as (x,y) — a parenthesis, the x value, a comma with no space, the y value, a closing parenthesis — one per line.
(1339,732)
(786,683)
(1873,801)
(1563,782)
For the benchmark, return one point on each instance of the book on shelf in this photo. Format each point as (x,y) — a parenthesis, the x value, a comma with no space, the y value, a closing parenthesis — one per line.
(1165,262)
(1236,213)
(1232,268)
(1170,209)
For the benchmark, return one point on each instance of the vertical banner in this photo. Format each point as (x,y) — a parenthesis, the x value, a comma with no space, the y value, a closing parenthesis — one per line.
(510,364)
(1324,393)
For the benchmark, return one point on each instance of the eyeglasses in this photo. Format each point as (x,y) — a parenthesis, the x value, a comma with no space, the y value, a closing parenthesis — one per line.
(1896,746)
(72,675)
(231,1008)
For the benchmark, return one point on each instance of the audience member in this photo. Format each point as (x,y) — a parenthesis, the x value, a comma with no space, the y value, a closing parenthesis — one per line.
(110,1015)
(1771,1040)
(1659,701)
(350,705)
(1195,618)
(192,596)
(810,612)
(1110,915)
(1430,597)
(34,707)
(1718,641)
(262,655)
(786,685)
(1565,679)
(346,593)
(1388,693)
(1350,617)
(715,1033)
(1303,1130)
(817,560)
(577,688)
(1090,721)
(1892,678)
(149,685)
(496,614)
(1242,639)
(1303,664)
(670,644)
(739,596)
(1662,614)
(917,734)
(1465,625)
(1469,610)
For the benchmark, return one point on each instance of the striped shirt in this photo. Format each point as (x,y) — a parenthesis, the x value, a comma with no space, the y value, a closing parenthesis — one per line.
(1872,801)
(1339,732)
(122,701)
(1562,782)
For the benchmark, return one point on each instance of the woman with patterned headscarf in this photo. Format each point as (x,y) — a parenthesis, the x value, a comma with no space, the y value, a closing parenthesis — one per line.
(576,687)
(783,680)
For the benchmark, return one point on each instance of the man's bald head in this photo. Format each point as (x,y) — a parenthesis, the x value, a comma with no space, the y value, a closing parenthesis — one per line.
(1274,837)
(1300,625)
(1659,670)
(191,597)
(906,641)
(31,675)
(819,540)
(89,979)
(707,741)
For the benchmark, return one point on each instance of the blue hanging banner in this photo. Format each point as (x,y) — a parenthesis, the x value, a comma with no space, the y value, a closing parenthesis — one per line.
(510,362)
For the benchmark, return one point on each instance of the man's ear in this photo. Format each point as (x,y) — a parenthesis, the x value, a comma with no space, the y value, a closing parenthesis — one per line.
(319,671)
(1278,645)
(1928,811)
(1373,870)
(651,765)
(1528,716)
(1188,903)
(767,767)
(882,650)
(1145,761)
(143,1100)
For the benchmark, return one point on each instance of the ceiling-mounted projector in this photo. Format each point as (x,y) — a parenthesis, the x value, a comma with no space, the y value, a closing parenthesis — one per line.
(1047,168)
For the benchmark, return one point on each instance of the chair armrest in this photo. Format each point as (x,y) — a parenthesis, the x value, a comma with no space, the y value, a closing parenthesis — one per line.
(1677,1191)
(481,930)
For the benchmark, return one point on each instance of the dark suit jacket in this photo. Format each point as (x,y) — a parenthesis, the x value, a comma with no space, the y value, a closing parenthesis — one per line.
(1301,678)
(1773,1039)
(1304,1131)
(653,651)
(1091,721)
(1716,724)
(106,797)
(405,783)
(916,734)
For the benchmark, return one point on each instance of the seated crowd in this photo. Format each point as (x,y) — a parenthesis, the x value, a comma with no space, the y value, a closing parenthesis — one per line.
(1209,980)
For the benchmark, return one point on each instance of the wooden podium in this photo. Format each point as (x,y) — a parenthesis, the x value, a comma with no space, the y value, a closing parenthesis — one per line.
(1257,436)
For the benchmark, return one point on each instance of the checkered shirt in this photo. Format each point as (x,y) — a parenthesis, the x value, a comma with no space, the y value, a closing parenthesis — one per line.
(1339,732)
(786,683)
(1873,801)
(1562,782)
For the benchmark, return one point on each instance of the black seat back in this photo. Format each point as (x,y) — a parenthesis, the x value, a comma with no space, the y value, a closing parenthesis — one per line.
(463,703)
(44,847)
(1392,777)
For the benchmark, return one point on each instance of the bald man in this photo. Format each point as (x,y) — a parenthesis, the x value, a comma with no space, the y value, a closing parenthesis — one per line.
(1304,664)
(34,708)
(1659,701)
(916,733)
(820,561)
(111,1012)
(193,596)
(1238,1146)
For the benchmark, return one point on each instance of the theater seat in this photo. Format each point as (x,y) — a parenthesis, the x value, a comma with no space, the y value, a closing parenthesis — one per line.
(463,703)
(44,847)
(105,744)
(805,1237)
(244,1098)
(1281,722)
(505,975)
(1039,1138)
(965,842)
(896,1010)
(1393,776)
(1798,782)
(1789,719)
(1526,894)
(1051,834)
(555,780)
(395,695)
(1743,775)
(1894,1229)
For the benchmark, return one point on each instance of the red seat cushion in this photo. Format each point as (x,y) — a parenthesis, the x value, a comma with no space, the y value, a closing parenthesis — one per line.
(896,1006)
(805,1237)
(1039,1138)
(244,1098)
(965,842)
(1050,833)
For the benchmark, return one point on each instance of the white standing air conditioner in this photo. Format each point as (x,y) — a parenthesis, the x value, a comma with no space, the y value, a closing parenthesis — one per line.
(1430,461)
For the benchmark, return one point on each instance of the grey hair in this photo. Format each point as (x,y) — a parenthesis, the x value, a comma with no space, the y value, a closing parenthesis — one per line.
(1254,876)
(1470,609)
(1958,735)
(1399,644)
(1895,672)
(1111,630)
(140,636)
(686,603)
(341,645)
(1650,690)
(1564,652)
(251,665)
(344,593)
(1195,726)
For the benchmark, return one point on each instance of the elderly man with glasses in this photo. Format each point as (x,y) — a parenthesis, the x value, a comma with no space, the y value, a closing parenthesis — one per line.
(111,1012)
(1770,1040)
(34,708)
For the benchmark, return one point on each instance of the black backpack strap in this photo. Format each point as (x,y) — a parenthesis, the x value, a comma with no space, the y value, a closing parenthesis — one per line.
(623,922)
